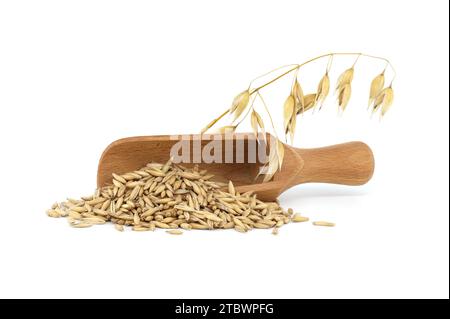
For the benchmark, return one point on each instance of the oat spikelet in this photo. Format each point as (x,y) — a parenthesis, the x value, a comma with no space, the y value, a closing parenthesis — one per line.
(293,103)
(387,101)
(288,111)
(257,122)
(310,102)
(384,100)
(345,78)
(297,93)
(344,89)
(292,125)
(226,129)
(273,164)
(270,170)
(344,96)
(375,87)
(322,90)
(280,153)
(240,103)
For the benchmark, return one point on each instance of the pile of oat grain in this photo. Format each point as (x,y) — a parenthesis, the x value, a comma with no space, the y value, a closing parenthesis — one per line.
(173,197)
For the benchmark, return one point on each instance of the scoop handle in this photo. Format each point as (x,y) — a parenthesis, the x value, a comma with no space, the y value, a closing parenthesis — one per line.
(349,164)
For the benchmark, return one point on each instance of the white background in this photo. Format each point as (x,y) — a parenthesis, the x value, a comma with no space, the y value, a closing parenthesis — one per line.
(76,75)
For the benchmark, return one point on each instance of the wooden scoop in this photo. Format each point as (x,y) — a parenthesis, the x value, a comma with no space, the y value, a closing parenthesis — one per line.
(349,163)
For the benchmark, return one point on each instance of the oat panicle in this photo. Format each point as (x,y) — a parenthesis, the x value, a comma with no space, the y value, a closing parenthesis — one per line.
(299,103)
